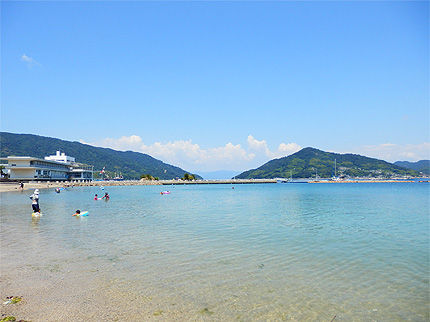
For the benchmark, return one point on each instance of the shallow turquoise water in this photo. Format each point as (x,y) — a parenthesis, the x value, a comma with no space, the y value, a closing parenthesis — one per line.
(256,252)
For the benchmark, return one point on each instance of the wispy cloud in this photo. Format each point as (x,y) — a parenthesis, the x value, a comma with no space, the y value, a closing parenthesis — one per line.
(30,61)
(396,152)
(191,156)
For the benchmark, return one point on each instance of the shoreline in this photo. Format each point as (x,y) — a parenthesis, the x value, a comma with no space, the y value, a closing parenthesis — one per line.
(14,186)
(364,181)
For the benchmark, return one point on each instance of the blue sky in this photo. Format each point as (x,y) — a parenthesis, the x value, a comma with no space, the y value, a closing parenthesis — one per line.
(220,85)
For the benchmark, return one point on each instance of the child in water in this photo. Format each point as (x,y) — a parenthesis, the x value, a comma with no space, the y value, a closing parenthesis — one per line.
(106,196)
(78,212)
(35,201)
(96,197)
(35,205)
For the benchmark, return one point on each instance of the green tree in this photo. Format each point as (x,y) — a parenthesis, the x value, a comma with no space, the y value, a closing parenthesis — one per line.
(148,177)
(188,177)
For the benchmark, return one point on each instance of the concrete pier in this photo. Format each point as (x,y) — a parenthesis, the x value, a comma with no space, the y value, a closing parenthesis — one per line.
(227,181)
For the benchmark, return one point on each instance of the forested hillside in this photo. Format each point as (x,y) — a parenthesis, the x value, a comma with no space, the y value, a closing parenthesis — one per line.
(310,162)
(131,164)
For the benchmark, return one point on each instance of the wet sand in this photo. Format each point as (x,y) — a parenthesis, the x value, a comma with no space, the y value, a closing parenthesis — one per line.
(51,295)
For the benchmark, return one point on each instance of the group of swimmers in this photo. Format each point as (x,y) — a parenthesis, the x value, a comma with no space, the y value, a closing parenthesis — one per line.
(35,201)
(96,197)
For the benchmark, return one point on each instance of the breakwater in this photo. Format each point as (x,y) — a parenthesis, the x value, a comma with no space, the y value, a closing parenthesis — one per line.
(361,181)
(227,181)
(14,186)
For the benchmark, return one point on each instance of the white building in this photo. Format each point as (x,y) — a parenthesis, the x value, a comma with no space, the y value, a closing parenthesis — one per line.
(54,167)
(60,157)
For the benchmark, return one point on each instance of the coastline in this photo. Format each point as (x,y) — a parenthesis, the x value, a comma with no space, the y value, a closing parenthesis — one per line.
(363,181)
(14,186)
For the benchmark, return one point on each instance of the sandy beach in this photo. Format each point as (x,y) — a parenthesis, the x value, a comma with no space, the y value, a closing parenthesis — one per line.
(14,186)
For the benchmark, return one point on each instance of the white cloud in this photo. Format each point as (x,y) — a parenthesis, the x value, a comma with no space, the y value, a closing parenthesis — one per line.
(287,149)
(396,152)
(29,60)
(190,156)
(258,146)
(123,143)
(261,146)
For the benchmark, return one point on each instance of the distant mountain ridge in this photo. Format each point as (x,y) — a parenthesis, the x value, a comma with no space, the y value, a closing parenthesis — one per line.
(131,164)
(310,162)
(420,166)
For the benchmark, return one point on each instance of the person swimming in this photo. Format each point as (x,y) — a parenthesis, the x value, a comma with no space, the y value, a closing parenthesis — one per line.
(106,196)
(78,213)
(96,197)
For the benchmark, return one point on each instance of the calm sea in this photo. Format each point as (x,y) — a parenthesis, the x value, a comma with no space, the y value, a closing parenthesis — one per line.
(261,252)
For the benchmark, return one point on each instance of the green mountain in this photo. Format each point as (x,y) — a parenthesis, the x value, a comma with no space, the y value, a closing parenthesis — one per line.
(131,164)
(308,162)
(420,166)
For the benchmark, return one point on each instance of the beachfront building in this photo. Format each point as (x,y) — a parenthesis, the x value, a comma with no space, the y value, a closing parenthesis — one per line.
(61,157)
(81,172)
(58,167)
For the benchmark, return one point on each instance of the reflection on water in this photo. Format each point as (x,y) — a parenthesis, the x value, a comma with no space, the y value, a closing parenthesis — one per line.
(256,252)
(35,223)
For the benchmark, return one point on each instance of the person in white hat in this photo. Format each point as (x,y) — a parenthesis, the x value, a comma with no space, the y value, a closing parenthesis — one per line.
(35,201)
(35,205)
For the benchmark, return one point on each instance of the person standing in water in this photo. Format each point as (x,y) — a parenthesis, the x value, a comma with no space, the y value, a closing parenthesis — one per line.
(106,196)
(35,201)
(35,205)
(96,197)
